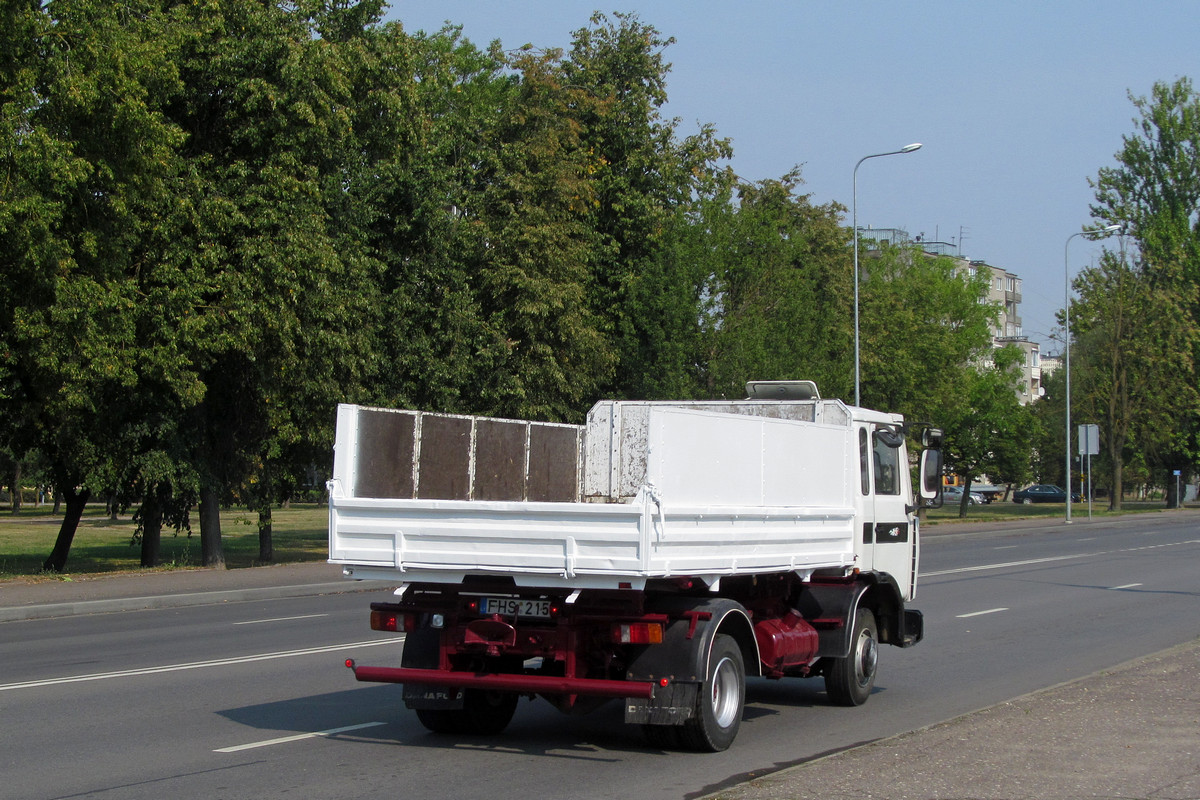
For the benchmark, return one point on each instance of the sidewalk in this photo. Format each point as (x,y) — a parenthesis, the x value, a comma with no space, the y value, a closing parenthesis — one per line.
(1129,732)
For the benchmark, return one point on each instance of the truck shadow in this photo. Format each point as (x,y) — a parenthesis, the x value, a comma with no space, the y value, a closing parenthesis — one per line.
(537,729)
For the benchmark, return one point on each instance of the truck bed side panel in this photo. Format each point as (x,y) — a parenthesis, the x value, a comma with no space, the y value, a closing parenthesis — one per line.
(722,494)
(558,543)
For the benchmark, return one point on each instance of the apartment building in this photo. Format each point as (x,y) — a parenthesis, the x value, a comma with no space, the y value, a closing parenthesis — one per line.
(1004,289)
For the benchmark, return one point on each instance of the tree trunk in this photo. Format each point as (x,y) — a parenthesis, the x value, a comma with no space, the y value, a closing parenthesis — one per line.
(76,501)
(15,488)
(212,554)
(1172,492)
(966,496)
(1118,468)
(151,515)
(266,549)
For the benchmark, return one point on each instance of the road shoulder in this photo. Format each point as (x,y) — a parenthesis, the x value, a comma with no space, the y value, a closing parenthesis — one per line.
(1129,731)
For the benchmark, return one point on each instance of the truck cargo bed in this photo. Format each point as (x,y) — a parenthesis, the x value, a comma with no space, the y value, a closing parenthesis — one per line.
(642,492)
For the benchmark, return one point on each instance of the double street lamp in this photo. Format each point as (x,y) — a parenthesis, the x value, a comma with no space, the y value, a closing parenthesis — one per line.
(1095,233)
(854,210)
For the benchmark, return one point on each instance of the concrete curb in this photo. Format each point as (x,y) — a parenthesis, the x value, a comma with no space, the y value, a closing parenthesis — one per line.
(53,610)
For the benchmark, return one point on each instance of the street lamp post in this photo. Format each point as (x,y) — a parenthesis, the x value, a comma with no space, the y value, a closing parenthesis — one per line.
(1098,232)
(854,210)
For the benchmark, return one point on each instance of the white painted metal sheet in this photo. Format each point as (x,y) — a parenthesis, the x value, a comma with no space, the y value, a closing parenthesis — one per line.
(719,459)
(702,493)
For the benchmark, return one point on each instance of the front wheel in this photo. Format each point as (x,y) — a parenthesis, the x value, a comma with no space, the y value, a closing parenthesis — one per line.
(1027,501)
(718,713)
(849,680)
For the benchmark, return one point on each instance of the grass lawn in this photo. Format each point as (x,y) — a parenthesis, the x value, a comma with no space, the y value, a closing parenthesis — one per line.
(1000,511)
(299,533)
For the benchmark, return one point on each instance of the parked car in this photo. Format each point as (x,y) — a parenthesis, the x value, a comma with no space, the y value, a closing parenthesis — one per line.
(1043,493)
(952,495)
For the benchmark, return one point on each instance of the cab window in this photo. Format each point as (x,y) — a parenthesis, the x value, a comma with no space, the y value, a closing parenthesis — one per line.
(864,461)
(887,468)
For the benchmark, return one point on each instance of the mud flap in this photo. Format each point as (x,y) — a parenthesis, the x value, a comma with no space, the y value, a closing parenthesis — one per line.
(914,628)
(671,705)
(678,665)
(421,652)
(430,698)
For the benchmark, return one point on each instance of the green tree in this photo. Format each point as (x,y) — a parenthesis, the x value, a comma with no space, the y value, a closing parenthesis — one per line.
(1047,455)
(1134,340)
(988,431)
(283,290)
(546,351)
(1154,191)
(646,181)
(924,326)
(1155,188)
(427,135)
(90,168)
(780,290)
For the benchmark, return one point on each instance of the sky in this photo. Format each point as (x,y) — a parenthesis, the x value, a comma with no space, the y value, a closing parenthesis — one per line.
(1017,104)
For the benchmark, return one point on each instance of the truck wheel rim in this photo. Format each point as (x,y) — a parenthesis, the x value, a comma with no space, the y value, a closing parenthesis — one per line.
(726,693)
(867,660)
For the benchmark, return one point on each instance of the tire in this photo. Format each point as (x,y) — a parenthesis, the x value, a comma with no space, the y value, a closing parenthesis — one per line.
(849,680)
(1027,501)
(483,713)
(718,714)
(440,720)
(662,737)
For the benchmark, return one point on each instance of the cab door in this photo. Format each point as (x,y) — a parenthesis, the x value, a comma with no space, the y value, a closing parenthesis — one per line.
(892,532)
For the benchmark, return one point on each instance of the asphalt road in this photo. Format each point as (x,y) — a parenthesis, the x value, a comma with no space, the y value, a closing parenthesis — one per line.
(249,699)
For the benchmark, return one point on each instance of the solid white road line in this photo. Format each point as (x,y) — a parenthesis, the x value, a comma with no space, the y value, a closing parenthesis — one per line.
(1029,562)
(220,662)
(1126,586)
(297,737)
(981,613)
(1005,565)
(280,619)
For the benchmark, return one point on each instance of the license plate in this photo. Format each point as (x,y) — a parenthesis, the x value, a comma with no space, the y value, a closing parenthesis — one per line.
(514,606)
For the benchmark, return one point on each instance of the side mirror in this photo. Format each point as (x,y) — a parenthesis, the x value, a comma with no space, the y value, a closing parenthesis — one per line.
(892,437)
(931,438)
(931,478)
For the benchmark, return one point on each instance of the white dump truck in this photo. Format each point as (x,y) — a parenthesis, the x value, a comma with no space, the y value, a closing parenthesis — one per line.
(659,554)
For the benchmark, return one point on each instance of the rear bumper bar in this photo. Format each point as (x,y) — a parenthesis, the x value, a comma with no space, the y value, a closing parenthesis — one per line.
(534,684)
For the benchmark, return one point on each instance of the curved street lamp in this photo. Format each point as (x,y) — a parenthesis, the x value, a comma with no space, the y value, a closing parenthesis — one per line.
(1096,233)
(854,206)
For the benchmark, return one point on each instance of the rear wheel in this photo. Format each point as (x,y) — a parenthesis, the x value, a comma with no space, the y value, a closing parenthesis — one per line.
(714,725)
(1028,501)
(483,713)
(440,720)
(849,680)
(664,737)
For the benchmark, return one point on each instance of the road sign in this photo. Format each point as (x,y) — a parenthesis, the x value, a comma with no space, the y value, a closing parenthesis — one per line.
(1089,440)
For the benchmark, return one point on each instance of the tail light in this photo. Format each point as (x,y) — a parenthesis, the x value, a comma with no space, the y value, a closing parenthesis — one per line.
(393,621)
(638,633)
